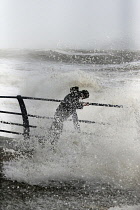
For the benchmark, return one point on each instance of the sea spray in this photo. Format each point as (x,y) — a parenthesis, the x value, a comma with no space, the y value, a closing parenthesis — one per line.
(109,152)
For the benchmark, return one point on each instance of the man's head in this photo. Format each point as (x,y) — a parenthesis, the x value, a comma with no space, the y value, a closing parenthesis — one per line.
(74,89)
(84,94)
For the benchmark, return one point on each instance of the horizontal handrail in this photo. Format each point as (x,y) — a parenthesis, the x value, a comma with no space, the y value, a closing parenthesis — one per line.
(31,98)
(38,116)
(6,112)
(18,133)
(18,124)
(107,105)
(42,99)
(57,100)
(6,131)
(44,117)
(29,115)
(8,97)
(36,136)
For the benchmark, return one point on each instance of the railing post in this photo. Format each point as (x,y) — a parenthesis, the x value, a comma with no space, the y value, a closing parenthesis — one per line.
(26,129)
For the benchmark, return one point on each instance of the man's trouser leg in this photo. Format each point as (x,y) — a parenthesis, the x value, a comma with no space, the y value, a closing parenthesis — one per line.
(55,130)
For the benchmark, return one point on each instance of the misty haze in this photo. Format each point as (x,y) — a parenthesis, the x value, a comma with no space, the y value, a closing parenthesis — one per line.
(82,24)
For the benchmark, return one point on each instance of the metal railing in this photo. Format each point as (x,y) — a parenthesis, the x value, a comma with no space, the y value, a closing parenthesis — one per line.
(26,126)
(25,116)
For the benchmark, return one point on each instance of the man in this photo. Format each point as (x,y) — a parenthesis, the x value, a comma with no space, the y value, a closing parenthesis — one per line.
(67,108)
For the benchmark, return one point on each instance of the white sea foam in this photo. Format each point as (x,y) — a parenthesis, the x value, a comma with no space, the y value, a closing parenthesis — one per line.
(126,208)
(110,153)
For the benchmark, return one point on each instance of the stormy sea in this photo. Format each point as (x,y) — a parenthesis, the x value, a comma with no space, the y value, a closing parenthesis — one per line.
(96,169)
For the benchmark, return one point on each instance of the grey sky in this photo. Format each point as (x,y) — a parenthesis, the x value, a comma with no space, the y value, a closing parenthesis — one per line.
(70,23)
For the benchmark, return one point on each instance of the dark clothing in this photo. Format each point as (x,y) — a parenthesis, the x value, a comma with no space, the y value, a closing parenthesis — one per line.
(66,108)
(75,122)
